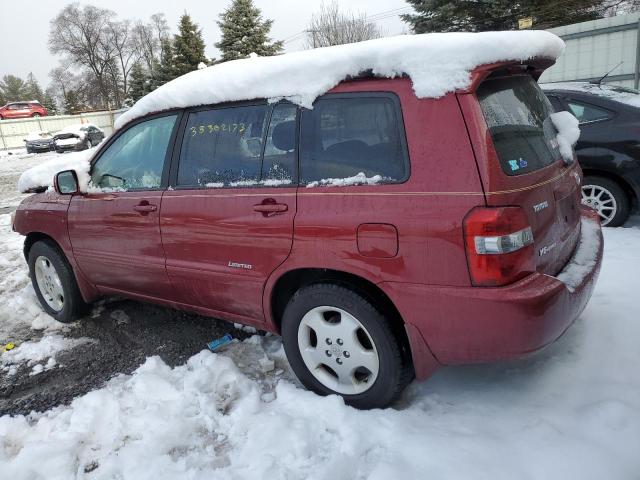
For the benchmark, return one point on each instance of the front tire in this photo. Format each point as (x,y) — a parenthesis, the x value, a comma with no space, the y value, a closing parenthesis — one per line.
(606,197)
(54,282)
(337,342)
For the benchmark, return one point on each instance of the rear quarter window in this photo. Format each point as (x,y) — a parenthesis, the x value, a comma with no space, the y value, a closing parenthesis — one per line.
(517,113)
(345,136)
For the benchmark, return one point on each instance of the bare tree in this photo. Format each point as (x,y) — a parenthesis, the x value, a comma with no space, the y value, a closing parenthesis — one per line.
(331,26)
(82,35)
(149,38)
(120,35)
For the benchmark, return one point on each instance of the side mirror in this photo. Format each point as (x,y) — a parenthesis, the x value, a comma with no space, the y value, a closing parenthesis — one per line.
(66,182)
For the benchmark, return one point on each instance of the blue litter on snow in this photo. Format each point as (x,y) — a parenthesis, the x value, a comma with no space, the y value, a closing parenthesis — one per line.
(219,342)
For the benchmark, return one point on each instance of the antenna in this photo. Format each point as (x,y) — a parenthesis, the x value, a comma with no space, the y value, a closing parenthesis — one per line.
(599,81)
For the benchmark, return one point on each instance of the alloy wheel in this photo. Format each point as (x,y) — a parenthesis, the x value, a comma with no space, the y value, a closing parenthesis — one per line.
(601,200)
(49,283)
(338,350)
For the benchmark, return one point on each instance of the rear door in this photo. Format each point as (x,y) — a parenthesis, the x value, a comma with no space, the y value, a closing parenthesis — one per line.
(227,221)
(115,229)
(520,164)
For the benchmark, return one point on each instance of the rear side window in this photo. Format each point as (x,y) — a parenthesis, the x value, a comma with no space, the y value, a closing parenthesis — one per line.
(517,114)
(345,136)
(586,113)
(223,147)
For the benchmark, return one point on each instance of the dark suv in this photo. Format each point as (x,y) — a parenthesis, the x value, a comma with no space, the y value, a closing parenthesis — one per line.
(609,145)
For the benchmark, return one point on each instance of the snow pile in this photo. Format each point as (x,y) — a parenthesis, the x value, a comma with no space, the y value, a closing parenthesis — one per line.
(568,133)
(612,92)
(34,354)
(42,175)
(437,63)
(585,256)
(359,179)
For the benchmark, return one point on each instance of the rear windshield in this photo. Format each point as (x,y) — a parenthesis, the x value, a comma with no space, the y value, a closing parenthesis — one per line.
(517,114)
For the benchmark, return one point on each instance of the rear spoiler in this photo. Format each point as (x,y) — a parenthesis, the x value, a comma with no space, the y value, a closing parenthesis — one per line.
(535,67)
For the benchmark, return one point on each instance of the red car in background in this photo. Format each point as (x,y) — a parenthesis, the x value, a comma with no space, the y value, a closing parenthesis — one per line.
(22,110)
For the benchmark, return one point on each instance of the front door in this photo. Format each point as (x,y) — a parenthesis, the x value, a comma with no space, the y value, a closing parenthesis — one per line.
(114,229)
(228,221)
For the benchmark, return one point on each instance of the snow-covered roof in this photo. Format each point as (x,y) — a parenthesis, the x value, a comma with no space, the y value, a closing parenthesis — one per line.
(437,63)
(612,92)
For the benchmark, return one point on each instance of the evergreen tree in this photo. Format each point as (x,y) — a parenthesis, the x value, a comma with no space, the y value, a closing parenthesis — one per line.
(484,15)
(188,47)
(165,71)
(32,88)
(138,82)
(72,102)
(244,32)
(49,103)
(13,89)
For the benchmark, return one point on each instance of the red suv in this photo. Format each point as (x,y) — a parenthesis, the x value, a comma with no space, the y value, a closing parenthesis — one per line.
(22,110)
(381,234)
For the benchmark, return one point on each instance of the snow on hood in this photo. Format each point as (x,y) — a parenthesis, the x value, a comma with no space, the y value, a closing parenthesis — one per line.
(568,133)
(38,136)
(437,63)
(612,92)
(41,176)
(79,129)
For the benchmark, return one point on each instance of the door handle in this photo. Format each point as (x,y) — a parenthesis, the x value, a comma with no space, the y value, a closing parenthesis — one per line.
(270,207)
(145,207)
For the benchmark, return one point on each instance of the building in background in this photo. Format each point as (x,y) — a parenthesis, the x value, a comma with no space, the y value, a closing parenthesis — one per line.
(597,46)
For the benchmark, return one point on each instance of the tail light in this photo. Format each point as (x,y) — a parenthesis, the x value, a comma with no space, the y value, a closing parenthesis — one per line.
(499,244)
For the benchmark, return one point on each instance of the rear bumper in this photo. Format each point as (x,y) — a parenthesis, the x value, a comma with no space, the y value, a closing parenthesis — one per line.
(472,324)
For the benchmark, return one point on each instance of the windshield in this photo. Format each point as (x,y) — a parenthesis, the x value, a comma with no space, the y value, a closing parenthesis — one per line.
(517,114)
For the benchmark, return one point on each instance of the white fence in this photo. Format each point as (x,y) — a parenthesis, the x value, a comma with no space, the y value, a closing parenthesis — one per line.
(13,132)
(597,46)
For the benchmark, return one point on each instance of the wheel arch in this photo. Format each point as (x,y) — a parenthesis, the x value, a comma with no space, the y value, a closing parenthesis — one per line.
(33,237)
(293,280)
(87,290)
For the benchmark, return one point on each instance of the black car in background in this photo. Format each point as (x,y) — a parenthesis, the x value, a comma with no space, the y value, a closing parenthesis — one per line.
(77,137)
(609,146)
(38,142)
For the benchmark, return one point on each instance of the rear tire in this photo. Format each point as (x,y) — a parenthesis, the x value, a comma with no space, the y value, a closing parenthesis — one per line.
(36,115)
(54,282)
(337,342)
(607,197)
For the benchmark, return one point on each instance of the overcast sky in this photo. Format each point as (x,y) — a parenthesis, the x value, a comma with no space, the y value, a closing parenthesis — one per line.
(25,24)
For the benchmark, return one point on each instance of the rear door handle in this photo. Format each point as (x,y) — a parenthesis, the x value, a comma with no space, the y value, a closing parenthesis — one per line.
(269,206)
(145,207)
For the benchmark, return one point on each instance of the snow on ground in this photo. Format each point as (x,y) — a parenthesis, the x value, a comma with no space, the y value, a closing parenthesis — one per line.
(39,355)
(571,411)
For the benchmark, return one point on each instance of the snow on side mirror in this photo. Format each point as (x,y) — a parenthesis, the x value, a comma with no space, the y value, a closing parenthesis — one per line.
(66,182)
